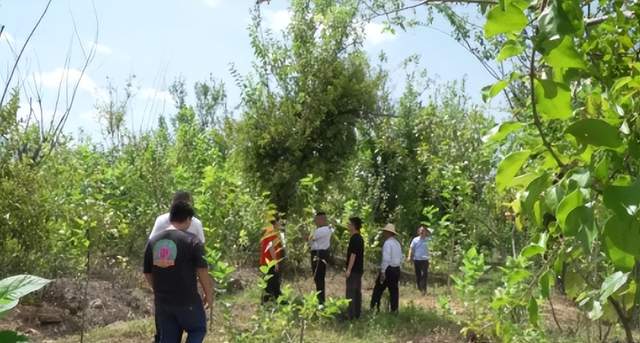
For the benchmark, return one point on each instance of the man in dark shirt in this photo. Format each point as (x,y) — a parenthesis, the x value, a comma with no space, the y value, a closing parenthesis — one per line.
(355,268)
(173,264)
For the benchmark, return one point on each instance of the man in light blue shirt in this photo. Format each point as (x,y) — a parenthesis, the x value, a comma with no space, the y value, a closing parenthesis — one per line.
(419,253)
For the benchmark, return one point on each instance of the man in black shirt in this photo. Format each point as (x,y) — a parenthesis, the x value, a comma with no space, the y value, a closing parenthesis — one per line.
(355,268)
(173,264)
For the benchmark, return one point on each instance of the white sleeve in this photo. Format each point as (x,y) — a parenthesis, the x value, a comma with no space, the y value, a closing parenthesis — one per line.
(199,229)
(386,256)
(156,227)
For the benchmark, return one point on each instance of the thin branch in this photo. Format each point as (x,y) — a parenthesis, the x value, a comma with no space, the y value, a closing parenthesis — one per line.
(534,109)
(24,46)
(428,2)
(601,19)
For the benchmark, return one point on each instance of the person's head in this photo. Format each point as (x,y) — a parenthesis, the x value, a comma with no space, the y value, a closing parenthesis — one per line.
(389,231)
(276,223)
(183,196)
(355,224)
(422,231)
(320,219)
(180,215)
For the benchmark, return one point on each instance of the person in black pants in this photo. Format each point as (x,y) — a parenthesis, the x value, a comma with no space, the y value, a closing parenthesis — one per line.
(419,253)
(355,268)
(389,274)
(320,241)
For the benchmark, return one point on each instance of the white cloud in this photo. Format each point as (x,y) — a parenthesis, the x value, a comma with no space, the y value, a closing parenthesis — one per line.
(375,34)
(25,109)
(67,79)
(212,3)
(100,48)
(278,20)
(156,95)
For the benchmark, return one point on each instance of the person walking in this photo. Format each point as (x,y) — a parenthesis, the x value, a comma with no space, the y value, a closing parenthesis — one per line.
(419,254)
(271,250)
(355,268)
(389,274)
(320,242)
(173,265)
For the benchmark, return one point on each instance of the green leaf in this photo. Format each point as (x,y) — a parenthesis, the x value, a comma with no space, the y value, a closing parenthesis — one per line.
(624,234)
(564,55)
(532,250)
(535,188)
(534,314)
(12,337)
(568,204)
(501,131)
(490,91)
(611,284)
(574,284)
(509,167)
(623,200)
(620,259)
(507,19)
(596,311)
(509,49)
(15,287)
(553,99)
(546,282)
(581,223)
(595,132)
(559,18)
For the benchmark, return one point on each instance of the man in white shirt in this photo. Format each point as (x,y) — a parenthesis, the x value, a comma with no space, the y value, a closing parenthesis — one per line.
(419,253)
(162,222)
(389,274)
(320,241)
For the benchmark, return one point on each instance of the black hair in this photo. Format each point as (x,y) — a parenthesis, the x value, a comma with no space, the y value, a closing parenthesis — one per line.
(321,213)
(181,211)
(357,222)
(183,196)
(274,220)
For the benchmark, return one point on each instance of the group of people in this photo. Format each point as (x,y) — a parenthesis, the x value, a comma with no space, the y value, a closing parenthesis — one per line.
(272,254)
(174,265)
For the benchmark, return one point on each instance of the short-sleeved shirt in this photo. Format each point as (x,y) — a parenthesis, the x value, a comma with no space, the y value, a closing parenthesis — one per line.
(420,248)
(271,238)
(356,246)
(162,223)
(321,238)
(172,257)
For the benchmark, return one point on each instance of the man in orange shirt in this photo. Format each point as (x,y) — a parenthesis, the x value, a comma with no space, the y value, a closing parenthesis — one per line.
(271,250)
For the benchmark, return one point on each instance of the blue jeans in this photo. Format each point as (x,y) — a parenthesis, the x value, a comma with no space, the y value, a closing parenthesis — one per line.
(172,321)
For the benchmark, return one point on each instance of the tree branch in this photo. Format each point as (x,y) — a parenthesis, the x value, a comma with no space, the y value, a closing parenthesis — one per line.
(24,46)
(601,19)
(534,109)
(428,2)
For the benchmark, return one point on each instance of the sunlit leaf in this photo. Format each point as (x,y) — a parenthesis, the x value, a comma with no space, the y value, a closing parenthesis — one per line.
(509,19)
(595,132)
(509,167)
(553,99)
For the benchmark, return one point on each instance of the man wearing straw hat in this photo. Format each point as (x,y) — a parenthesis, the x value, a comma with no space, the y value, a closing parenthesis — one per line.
(389,274)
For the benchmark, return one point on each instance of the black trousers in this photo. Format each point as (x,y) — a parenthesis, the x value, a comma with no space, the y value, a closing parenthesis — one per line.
(272,291)
(354,293)
(319,259)
(392,277)
(422,273)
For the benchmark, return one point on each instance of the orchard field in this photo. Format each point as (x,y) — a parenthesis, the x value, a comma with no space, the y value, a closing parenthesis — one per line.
(531,187)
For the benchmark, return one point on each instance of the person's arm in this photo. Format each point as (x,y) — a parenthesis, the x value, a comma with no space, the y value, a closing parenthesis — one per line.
(410,253)
(157,227)
(352,261)
(199,229)
(148,265)
(272,252)
(207,286)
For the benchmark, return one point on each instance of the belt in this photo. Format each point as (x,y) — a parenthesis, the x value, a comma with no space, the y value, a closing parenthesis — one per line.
(319,250)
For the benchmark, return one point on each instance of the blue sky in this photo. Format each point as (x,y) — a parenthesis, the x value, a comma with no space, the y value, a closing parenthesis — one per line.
(159,40)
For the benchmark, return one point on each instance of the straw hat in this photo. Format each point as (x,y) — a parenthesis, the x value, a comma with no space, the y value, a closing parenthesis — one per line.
(390,228)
